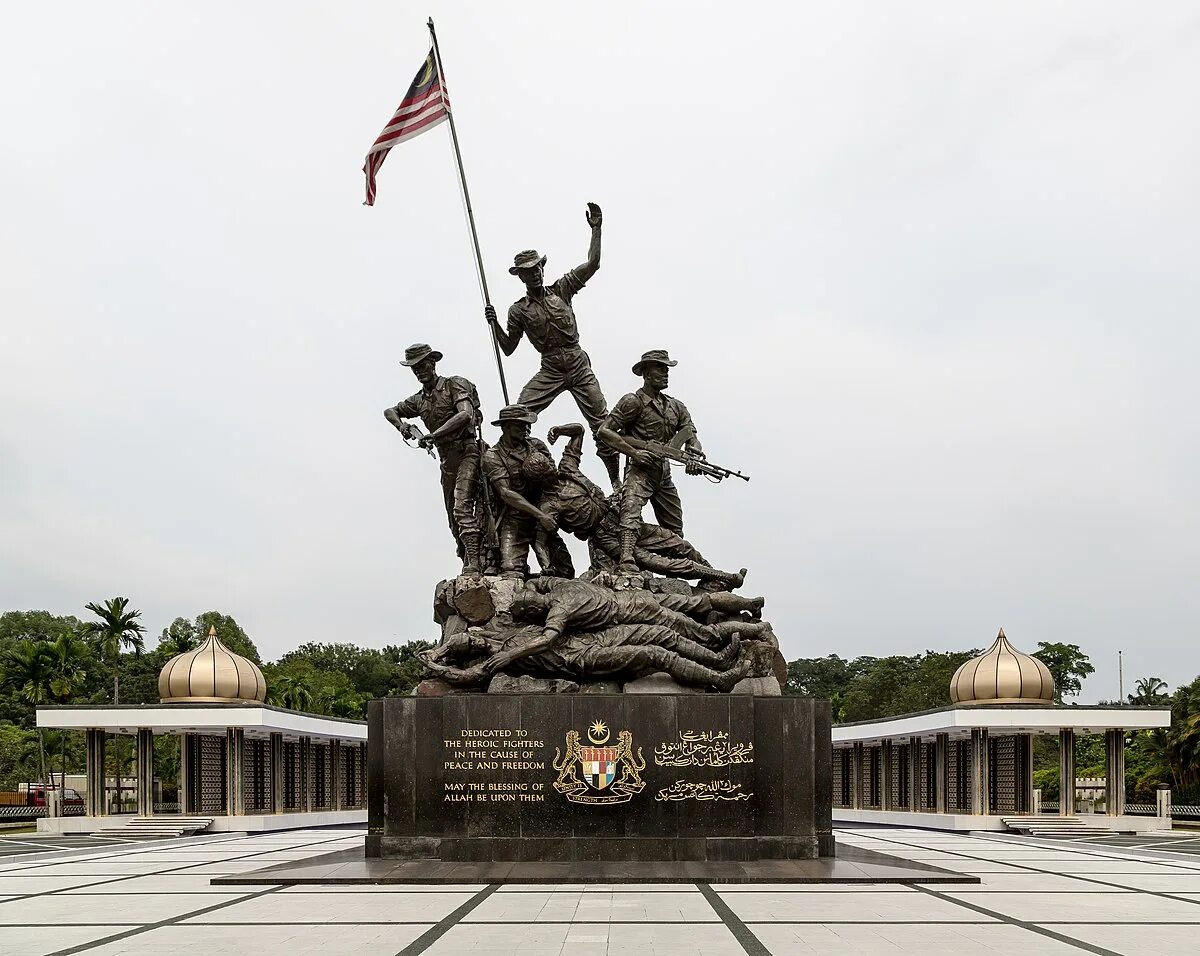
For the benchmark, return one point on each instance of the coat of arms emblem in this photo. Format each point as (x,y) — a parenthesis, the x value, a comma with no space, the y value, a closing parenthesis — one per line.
(600,773)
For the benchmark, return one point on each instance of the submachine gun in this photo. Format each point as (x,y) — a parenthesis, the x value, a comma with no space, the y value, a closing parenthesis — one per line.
(411,435)
(674,451)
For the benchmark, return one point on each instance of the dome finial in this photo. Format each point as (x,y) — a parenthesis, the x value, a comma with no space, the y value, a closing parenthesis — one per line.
(213,674)
(1002,675)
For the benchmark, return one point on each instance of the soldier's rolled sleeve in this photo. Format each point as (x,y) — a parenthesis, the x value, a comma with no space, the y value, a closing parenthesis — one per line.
(493,470)
(410,407)
(516,320)
(685,421)
(624,413)
(572,282)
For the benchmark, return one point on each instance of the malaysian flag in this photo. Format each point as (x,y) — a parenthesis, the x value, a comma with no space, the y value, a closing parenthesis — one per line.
(424,106)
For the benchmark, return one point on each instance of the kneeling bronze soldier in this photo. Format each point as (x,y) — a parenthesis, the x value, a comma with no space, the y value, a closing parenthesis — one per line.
(581,507)
(522,524)
(449,407)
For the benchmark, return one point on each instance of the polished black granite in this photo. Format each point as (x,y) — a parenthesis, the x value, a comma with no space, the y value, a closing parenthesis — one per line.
(350,867)
(483,778)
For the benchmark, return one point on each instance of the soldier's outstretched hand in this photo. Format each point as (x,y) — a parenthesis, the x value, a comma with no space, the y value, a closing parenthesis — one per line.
(489,313)
(594,216)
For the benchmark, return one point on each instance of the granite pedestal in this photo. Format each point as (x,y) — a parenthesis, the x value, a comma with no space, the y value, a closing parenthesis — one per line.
(614,778)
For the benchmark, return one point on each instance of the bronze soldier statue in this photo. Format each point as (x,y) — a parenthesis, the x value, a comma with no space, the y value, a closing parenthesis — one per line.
(568,607)
(521,522)
(649,415)
(449,407)
(620,652)
(546,315)
(581,507)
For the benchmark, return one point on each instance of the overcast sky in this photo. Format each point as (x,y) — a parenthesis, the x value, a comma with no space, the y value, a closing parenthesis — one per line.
(930,272)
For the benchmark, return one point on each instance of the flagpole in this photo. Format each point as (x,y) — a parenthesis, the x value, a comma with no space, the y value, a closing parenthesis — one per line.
(462,178)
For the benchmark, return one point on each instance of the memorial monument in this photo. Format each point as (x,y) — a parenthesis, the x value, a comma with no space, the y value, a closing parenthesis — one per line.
(632,712)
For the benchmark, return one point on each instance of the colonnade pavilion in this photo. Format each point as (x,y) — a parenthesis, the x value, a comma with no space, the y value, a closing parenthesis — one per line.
(969,765)
(244,764)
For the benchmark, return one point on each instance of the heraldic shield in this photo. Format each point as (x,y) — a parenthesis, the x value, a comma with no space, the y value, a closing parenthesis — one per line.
(599,774)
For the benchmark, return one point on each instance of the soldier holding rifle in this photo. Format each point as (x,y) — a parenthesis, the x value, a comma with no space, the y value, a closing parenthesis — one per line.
(649,427)
(449,407)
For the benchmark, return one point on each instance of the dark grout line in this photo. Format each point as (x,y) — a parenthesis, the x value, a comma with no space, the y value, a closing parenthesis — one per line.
(1031,927)
(115,937)
(175,871)
(816,921)
(1083,878)
(439,929)
(744,935)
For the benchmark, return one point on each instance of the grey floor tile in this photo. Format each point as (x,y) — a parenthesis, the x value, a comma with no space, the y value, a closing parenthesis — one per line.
(40,940)
(920,940)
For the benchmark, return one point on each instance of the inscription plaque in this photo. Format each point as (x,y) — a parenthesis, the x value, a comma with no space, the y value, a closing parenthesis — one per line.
(550,778)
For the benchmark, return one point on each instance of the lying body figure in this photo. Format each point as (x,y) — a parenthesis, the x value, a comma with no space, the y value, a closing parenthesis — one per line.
(578,505)
(569,606)
(620,652)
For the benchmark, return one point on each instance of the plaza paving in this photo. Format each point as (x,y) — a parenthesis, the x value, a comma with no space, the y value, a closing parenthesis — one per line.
(1035,898)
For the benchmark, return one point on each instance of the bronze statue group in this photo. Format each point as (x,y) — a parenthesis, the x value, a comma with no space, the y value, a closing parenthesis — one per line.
(503,501)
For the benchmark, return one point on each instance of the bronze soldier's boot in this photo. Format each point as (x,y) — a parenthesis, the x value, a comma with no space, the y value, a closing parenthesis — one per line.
(612,464)
(748,630)
(628,541)
(713,580)
(728,603)
(697,675)
(471,559)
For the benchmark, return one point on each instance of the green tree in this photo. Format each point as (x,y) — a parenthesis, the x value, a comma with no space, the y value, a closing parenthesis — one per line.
(1149,691)
(408,669)
(37,626)
(68,675)
(28,670)
(18,755)
(1068,665)
(340,703)
(229,632)
(178,638)
(902,685)
(291,691)
(117,629)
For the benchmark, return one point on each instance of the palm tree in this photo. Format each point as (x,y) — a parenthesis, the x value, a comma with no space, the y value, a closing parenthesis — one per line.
(1149,690)
(27,668)
(117,629)
(291,692)
(339,703)
(67,675)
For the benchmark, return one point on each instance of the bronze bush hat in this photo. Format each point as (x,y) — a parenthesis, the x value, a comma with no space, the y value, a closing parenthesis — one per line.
(418,353)
(526,260)
(654,355)
(515,413)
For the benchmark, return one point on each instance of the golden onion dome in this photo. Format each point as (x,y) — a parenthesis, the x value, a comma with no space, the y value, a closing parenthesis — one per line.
(1002,675)
(211,674)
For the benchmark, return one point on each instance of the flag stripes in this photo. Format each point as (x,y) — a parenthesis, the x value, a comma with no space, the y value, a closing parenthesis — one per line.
(424,106)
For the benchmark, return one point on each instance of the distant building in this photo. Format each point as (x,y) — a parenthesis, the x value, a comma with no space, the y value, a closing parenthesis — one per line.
(244,765)
(970,765)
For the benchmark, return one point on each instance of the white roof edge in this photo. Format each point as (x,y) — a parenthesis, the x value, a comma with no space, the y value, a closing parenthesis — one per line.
(167,718)
(1016,720)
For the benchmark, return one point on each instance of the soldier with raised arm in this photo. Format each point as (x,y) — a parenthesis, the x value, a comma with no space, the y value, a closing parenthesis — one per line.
(648,415)
(547,316)
(449,407)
